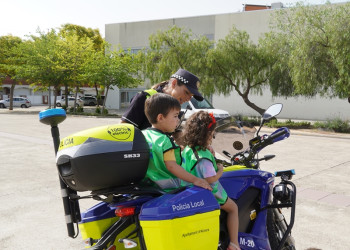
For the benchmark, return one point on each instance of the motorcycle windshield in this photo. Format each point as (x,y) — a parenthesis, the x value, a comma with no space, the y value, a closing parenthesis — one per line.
(233,136)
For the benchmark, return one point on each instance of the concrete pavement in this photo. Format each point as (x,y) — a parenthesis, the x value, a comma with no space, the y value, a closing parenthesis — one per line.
(31,212)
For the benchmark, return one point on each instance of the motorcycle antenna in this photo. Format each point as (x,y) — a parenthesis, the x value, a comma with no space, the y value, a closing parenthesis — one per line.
(53,117)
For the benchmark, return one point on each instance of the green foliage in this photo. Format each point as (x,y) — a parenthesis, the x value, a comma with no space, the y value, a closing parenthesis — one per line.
(253,121)
(83,32)
(316,48)
(53,60)
(80,109)
(77,110)
(40,58)
(115,68)
(278,49)
(98,111)
(9,58)
(288,123)
(238,64)
(172,49)
(337,125)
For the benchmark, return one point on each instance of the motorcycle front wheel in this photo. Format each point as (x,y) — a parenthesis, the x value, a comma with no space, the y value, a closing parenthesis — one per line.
(276,228)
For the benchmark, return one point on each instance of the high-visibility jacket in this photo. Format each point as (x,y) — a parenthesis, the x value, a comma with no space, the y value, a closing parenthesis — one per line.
(157,171)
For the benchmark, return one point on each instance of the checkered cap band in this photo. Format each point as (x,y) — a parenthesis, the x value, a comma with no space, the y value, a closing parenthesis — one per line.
(181,78)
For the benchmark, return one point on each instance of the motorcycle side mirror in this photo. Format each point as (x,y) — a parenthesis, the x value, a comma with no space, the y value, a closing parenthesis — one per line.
(272,111)
(269,113)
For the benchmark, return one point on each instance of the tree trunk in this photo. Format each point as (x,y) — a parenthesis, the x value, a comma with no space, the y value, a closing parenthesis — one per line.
(104,100)
(98,97)
(12,89)
(245,98)
(66,94)
(55,96)
(49,97)
(75,99)
(253,106)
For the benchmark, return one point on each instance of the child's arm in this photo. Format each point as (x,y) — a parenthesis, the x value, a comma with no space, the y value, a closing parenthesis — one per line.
(216,177)
(181,173)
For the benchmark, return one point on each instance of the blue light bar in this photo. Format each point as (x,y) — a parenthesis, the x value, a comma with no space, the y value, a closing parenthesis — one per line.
(52,116)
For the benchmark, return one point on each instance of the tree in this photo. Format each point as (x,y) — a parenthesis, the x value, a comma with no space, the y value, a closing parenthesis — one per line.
(9,61)
(115,68)
(236,63)
(74,54)
(172,49)
(318,38)
(277,47)
(83,32)
(41,65)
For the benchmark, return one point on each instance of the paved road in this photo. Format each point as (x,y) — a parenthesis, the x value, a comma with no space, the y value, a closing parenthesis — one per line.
(31,213)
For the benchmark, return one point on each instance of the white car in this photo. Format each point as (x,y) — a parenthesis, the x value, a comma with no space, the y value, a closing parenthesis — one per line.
(62,102)
(193,106)
(17,102)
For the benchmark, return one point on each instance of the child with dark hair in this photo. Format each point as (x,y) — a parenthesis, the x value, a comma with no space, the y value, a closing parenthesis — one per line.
(198,160)
(164,168)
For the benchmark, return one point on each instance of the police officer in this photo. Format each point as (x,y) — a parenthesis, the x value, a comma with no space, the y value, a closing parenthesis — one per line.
(182,85)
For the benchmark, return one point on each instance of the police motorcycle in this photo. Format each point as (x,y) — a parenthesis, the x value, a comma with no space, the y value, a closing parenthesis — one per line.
(110,161)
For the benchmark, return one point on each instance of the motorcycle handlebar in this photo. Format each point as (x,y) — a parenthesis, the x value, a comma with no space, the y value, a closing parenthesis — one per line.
(256,145)
(276,136)
(280,134)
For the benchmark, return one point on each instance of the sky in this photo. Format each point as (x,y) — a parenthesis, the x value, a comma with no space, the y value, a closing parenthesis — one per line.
(24,17)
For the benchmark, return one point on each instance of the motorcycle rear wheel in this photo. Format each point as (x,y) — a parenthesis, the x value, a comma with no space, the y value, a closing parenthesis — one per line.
(276,228)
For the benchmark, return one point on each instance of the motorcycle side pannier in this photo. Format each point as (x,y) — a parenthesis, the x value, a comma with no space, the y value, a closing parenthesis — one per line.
(103,157)
(185,220)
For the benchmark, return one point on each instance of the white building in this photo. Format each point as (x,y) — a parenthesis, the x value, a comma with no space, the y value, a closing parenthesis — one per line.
(135,35)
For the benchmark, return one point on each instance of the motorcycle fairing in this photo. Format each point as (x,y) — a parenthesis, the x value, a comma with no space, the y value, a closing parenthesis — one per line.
(186,220)
(237,182)
(251,190)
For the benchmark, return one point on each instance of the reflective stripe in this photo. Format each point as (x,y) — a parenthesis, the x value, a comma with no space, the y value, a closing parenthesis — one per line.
(64,192)
(150,92)
(68,219)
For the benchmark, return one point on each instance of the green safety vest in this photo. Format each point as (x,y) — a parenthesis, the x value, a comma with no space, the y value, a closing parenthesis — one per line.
(157,171)
(190,159)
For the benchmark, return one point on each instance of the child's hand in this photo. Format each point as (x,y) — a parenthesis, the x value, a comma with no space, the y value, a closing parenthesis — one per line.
(220,170)
(220,167)
(202,183)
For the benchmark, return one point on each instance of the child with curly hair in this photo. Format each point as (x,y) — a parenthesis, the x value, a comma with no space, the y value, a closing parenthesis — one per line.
(199,161)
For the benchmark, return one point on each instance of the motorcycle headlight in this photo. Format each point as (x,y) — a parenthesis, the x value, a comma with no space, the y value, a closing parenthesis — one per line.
(281,192)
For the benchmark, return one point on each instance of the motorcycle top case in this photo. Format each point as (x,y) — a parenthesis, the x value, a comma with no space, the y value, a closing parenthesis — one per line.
(185,220)
(103,157)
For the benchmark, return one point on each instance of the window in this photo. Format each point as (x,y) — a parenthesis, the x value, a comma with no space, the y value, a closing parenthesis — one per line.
(126,96)
(201,104)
